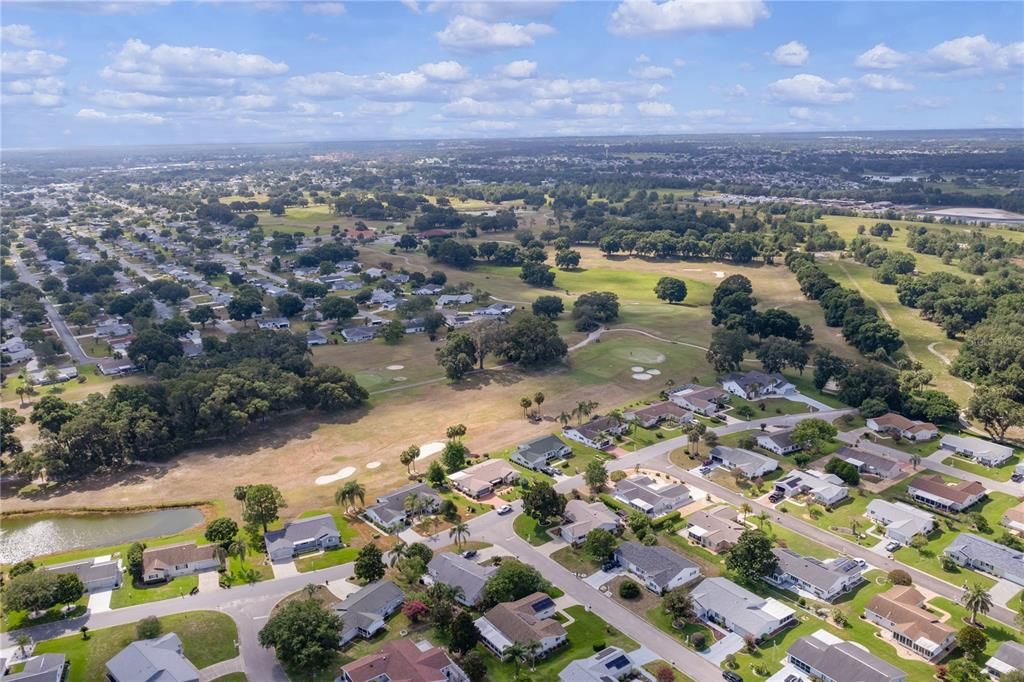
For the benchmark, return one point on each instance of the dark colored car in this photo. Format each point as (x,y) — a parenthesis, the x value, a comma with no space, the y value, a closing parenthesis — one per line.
(469,554)
(731,676)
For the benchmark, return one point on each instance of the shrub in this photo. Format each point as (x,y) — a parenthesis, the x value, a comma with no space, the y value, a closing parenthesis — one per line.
(900,577)
(617,476)
(629,590)
(148,628)
(667,520)
(698,640)
(600,646)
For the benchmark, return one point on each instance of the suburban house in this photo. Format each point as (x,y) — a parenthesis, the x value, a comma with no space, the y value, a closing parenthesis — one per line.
(897,424)
(981,554)
(902,521)
(428,290)
(538,452)
(901,612)
(935,492)
(43,668)
(274,323)
(16,350)
(454,299)
(52,375)
(725,603)
(484,478)
(359,334)
(389,512)
(160,659)
(597,432)
(406,661)
(95,575)
(705,400)
(582,517)
(311,534)
(526,620)
(824,656)
(981,451)
(751,464)
(652,415)
(780,442)
(755,384)
(651,496)
(363,613)
(316,337)
(1007,658)
(164,563)
(1014,518)
(827,580)
(608,664)
(382,296)
(826,489)
(110,367)
(496,310)
(717,529)
(659,568)
(870,463)
(105,329)
(453,570)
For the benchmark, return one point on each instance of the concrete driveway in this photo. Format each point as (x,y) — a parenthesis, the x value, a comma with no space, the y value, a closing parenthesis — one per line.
(99,602)
(1003,591)
(284,569)
(729,644)
(209,581)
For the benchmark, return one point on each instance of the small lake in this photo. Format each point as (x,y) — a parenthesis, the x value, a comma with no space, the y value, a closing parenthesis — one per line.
(29,536)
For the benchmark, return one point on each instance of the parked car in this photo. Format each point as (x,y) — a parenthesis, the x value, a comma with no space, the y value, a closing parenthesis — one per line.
(469,554)
(892,547)
(775,497)
(704,471)
(731,676)
(504,509)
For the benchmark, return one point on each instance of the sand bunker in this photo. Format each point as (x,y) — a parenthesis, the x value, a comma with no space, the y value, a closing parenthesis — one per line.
(399,379)
(428,449)
(654,372)
(342,473)
(719,274)
(642,376)
(636,369)
(394,368)
(372,465)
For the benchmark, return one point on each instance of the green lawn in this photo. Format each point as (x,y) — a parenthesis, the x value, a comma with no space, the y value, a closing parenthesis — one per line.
(208,637)
(237,568)
(663,621)
(849,422)
(841,518)
(14,620)
(576,560)
(1002,472)
(530,530)
(130,594)
(911,448)
(654,666)
(640,437)
(332,557)
(231,677)
(773,407)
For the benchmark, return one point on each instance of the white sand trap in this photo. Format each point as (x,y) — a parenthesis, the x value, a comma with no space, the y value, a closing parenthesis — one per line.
(372,465)
(342,473)
(636,369)
(428,449)
(642,376)
(394,368)
(719,274)
(399,379)
(654,372)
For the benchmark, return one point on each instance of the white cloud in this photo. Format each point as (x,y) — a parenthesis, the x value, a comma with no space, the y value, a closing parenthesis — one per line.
(41,92)
(304,108)
(411,85)
(467,34)
(881,56)
(19,35)
(792,53)
(31,63)
(329,9)
(807,88)
(884,83)
(445,71)
(649,17)
(656,109)
(138,57)
(467,107)
(522,68)
(102,116)
(974,54)
(705,114)
(496,11)
(655,90)
(491,126)
(598,109)
(732,92)
(650,72)
(412,5)
(383,109)
(679,62)
(250,102)
(814,117)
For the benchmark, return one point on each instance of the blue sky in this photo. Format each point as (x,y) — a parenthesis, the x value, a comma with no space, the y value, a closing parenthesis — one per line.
(103,73)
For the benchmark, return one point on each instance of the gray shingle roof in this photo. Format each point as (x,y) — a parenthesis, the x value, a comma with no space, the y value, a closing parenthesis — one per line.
(660,563)
(391,507)
(153,660)
(821,574)
(363,608)
(301,529)
(1009,562)
(843,661)
(451,569)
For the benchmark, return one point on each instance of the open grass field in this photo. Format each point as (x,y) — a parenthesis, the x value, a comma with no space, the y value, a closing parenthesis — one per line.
(1002,472)
(207,637)
(131,594)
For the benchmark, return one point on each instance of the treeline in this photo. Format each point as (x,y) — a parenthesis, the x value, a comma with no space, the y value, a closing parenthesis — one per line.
(247,379)
(975,253)
(862,327)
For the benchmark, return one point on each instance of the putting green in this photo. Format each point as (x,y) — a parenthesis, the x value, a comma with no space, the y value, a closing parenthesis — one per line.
(640,355)
(371,380)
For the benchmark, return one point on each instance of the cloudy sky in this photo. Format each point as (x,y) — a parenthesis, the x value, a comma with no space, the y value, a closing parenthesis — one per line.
(102,73)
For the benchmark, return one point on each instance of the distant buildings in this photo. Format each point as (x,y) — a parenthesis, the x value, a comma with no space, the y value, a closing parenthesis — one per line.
(705,400)
(652,415)
(780,442)
(453,570)
(364,612)
(870,463)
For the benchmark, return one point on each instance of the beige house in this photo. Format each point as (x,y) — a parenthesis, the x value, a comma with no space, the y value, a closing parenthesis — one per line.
(165,563)
(902,612)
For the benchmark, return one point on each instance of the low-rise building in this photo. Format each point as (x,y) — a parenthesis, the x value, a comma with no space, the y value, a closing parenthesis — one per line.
(705,400)
(147,660)
(654,414)
(273,323)
(44,668)
(823,656)
(520,622)
(315,337)
(453,570)
(659,568)
(896,424)
(981,451)
(608,664)
(484,478)
(1013,518)
(934,491)
(780,442)
(715,529)
(109,367)
(901,521)
(165,563)
(725,603)
(540,452)
(95,575)
(364,612)
(901,611)
(312,534)
(827,580)
(751,464)
(755,384)
(454,299)
(402,660)
(1007,658)
(598,432)
(582,517)
(870,462)
(359,334)
(981,554)
(389,513)
(651,496)
(826,489)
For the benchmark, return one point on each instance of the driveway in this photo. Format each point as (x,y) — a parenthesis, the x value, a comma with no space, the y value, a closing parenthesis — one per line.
(99,602)
(284,569)
(1003,591)
(598,579)
(801,398)
(209,581)
(729,644)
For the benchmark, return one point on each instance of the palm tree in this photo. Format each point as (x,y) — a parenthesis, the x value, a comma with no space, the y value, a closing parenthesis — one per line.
(531,649)
(460,531)
(310,589)
(525,403)
(22,641)
(564,418)
(398,552)
(976,599)
(350,492)
(538,399)
(915,459)
(746,510)
(408,458)
(412,505)
(763,520)
(854,526)
(515,651)
(237,549)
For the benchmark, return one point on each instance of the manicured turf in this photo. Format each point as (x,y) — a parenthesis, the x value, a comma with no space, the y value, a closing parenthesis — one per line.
(231,677)
(333,557)
(576,560)
(130,594)
(14,620)
(528,529)
(663,622)
(1002,472)
(208,637)
(773,407)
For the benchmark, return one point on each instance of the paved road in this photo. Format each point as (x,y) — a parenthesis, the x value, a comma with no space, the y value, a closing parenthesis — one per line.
(71,344)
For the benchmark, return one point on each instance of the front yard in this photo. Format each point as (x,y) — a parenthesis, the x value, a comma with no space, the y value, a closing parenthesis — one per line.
(131,593)
(14,620)
(576,560)
(529,529)
(1002,472)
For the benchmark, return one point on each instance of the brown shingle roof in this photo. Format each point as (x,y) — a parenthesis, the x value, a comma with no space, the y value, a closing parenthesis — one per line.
(900,605)
(401,661)
(516,621)
(960,492)
(172,555)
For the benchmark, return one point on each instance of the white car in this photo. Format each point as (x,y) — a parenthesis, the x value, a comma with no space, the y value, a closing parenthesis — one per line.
(505,509)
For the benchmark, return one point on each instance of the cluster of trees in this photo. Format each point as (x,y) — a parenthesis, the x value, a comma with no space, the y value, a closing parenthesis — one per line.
(862,327)
(39,590)
(531,341)
(889,265)
(595,308)
(976,253)
(239,382)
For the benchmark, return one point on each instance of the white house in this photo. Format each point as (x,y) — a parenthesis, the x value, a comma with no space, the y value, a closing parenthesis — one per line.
(365,612)
(705,400)
(597,432)
(827,489)
(779,442)
(902,521)
(725,603)
(826,580)
(95,575)
(389,513)
(981,451)
(484,478)
(311,534)
(165,563)
(582,517)
(611,663)
(659,568)
(752,464)
(897,424)
(936,492)
(755,384)
(538,452)
(651,496)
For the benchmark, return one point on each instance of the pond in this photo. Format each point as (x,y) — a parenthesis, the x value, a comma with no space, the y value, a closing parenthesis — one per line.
(30,536)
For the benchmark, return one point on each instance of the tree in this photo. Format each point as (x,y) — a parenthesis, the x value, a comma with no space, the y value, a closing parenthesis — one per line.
(628,589)
(965,670)
(68,589)
(670,289)
(393,332)
(149,628)
(898,576)
(996,409)
(369,564)
(408,458)
(458,355)
(474,666)
(262,504)
(972,640)
(435,475)
(813,434)
(133,559)
(751,557)
(418,549)
(600,544)
(531,342)
(304,634)
(463,634)
(221,531)
(414,609)
(725,352)
(595,308)
(35,591)
(976,599)
(679,604)
(152,347)
(202,314)
(526,404)
(515,652)
(338,308)
(776,353)
(460,532)
(513,580)
(844,470)
(595,475)
(665,674)
(289,305)
(349,493)
(411,569)
(244,305)
(548,306)
(454,456)
(542,502)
